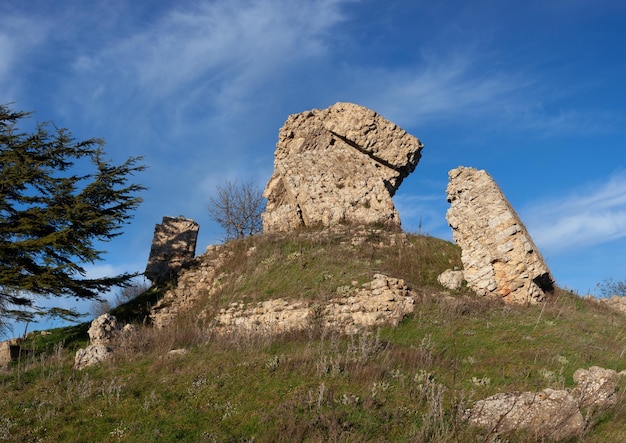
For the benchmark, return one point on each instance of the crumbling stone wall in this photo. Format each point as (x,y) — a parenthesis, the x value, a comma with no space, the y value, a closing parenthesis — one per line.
(341,164)
(499,256)
(173,247)
(383,301)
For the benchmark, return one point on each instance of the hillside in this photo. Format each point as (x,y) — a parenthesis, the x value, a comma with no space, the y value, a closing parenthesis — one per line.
(408,383)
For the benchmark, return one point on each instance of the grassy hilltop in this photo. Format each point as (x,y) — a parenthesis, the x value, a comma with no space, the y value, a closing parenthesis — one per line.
(409,383)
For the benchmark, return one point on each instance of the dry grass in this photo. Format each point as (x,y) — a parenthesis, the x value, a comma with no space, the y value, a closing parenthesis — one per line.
(409,383)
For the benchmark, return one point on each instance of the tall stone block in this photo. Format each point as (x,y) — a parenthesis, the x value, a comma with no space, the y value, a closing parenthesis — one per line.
(499,257)
(338,165)
(173,247)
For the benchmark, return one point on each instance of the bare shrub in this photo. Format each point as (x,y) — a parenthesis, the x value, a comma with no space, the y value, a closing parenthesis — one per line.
(130,292)
(237,208)
(609,288)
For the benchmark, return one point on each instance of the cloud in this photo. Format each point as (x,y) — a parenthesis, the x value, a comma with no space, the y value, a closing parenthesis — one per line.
(446,87)
(470,84)
(591,216)
(205,56)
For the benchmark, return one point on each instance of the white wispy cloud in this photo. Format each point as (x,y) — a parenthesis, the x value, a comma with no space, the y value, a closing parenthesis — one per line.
(468,84)
(447,86)
(206,56)
(590,216)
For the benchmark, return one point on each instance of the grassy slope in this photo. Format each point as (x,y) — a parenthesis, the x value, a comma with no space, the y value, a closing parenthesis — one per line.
(404,384)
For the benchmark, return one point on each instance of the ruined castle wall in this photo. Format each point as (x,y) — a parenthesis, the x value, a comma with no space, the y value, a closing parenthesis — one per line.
(499,257)
(337,165)
(173,247)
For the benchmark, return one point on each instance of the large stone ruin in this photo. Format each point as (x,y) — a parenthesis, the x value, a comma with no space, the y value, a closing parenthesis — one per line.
(338,165)
(173,247)
(499,256)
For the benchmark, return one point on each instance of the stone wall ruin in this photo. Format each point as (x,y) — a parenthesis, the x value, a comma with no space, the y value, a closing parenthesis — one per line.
(342,164)
(499,256)
(173,247)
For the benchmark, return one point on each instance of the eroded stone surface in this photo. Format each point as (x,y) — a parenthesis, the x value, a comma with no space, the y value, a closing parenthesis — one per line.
(341,164)
(102,331)
(91,355)
(553,414)
(549,413)
(450,279)
(595,386)
(499,257)
(383,301)
(173,247)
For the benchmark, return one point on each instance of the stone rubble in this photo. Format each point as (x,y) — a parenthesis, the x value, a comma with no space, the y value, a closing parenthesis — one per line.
(499,256)
(553,414)
(338,165)
(617,303)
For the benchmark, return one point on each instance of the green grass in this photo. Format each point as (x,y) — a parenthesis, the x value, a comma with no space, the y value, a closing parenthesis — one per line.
(409,383)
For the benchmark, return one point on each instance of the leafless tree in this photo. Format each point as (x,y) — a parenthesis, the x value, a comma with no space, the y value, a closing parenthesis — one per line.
(237,207)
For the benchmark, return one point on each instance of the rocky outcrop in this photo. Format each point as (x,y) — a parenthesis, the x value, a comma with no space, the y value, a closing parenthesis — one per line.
(91,355)
(341,164)
(596,387)
(552,414)
(204,277)
(103,332)
(173,247)
(499,256)
(382,302)
(546,414)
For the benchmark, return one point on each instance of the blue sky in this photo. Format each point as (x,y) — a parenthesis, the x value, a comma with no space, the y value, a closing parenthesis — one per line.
(533,92)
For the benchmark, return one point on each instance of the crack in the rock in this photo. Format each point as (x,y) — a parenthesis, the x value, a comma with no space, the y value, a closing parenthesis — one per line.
(369,154)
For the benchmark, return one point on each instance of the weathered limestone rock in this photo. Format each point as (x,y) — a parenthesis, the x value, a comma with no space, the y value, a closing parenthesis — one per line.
(499,256)
(595,386)
(546,414)
(91,355)
(341,164)
(450,279)
(173,247)
(103,330)
(383,301)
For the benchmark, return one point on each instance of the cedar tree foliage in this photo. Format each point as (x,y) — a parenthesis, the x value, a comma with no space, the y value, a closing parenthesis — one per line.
(237,208)
(58,198)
